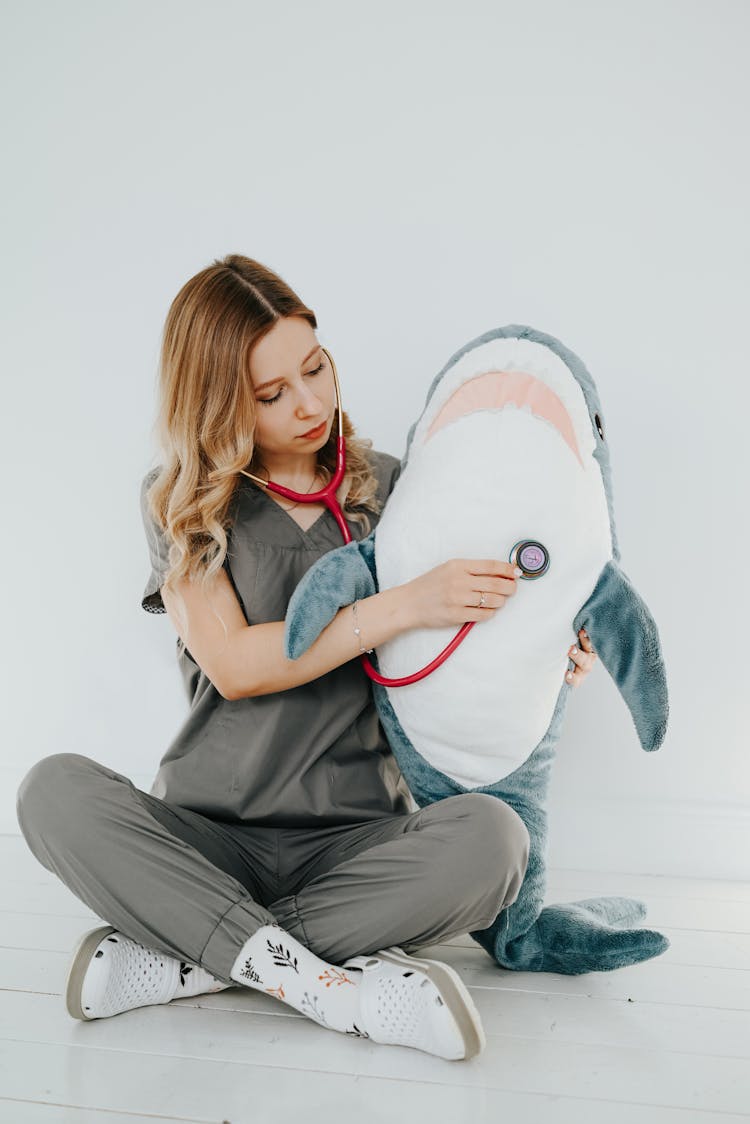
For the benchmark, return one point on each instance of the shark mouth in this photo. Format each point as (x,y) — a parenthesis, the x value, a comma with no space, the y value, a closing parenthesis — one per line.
(494,390)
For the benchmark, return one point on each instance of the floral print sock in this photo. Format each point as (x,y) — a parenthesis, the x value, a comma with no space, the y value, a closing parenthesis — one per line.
(273,961)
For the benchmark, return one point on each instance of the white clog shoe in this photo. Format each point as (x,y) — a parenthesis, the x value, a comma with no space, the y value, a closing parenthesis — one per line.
(109,973)
(406,1000)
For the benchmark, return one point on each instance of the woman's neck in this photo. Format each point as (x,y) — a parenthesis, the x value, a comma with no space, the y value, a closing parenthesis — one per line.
(294,472)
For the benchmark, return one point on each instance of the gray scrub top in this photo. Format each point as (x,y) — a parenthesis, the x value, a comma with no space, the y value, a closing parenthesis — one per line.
(313,754)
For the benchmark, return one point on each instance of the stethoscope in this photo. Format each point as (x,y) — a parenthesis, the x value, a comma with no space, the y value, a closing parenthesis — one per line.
(531,557)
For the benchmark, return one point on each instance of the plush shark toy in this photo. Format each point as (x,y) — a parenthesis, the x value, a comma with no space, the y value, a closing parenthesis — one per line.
(510,446)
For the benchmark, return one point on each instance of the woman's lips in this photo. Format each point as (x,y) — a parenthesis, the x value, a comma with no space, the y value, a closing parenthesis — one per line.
(312,433)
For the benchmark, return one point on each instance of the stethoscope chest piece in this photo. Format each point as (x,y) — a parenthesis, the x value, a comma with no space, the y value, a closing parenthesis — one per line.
(531,557)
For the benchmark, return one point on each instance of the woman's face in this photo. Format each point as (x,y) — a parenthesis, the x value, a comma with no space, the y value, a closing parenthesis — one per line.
(302,393)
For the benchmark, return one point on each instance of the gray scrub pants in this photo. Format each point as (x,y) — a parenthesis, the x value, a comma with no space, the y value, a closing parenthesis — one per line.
(196,888)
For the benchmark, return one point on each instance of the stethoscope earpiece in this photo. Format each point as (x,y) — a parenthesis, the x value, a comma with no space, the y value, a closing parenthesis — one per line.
(531,557)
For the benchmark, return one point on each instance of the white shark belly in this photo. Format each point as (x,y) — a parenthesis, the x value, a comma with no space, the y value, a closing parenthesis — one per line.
(484,710)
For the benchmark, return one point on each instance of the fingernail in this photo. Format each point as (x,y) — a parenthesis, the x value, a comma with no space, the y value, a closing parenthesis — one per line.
(573,651)
(518,572)
(569,676)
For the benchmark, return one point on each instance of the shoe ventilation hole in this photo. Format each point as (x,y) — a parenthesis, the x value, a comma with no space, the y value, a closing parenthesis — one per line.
(132,976)
(398,1007)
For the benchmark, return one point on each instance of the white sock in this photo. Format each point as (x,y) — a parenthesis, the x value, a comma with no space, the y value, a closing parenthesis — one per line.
(272,960)
(194,980)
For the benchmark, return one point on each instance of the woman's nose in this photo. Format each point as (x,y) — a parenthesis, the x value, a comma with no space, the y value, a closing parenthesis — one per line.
(310,402)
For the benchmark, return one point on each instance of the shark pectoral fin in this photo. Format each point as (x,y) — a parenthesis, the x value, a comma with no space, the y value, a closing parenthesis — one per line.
(337,579)
(624,636)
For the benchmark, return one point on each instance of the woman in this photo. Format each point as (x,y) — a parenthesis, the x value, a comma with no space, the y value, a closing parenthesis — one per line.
(279,844)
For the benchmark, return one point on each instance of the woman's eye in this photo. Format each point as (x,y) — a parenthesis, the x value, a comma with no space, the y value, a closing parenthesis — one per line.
(268,401)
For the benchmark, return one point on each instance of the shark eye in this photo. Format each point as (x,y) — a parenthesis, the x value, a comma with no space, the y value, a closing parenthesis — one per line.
(599,425)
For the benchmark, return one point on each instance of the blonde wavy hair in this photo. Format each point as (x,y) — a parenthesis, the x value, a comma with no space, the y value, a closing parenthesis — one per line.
(206,415)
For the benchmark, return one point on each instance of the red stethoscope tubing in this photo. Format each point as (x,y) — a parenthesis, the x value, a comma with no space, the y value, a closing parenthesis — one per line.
(327,496)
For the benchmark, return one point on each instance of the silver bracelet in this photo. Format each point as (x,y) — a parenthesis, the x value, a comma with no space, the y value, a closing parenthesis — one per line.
(358,630)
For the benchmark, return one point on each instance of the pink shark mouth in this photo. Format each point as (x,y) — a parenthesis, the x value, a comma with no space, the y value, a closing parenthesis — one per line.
(496,389)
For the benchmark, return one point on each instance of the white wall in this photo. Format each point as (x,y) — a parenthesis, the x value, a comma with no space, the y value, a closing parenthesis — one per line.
(419,173)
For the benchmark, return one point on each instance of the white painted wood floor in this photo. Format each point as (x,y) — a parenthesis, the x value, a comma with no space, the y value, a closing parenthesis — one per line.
(666,1041)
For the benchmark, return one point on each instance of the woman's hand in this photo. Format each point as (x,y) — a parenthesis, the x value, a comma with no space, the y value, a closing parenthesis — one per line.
(584,660)
(450,593)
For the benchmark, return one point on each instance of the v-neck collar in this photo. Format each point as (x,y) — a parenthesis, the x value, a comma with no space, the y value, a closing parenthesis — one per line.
(305,533)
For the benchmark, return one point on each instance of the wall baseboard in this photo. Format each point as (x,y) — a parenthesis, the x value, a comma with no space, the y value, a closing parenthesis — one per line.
(679,838)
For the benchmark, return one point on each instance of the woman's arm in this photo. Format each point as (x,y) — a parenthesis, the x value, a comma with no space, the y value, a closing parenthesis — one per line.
(249,660)
(258,663)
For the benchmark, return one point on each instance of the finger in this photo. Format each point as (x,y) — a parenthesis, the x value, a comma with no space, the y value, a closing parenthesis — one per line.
(490,567)
(499,586)
(570,671)
(584,660)
(575,677)
(491,601)
(584,640)
(577,674)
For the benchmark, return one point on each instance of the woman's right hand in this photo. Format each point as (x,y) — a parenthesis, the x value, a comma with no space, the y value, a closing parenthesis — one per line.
(449,593)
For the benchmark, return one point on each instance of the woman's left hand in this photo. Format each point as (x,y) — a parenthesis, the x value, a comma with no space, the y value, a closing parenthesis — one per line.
(584,657)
